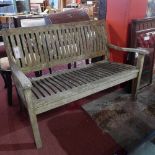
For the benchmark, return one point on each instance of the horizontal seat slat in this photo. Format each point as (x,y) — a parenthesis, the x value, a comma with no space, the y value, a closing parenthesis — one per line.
(48,84)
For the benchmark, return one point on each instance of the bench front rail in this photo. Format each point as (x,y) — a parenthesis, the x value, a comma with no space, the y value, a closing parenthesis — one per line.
(32,49)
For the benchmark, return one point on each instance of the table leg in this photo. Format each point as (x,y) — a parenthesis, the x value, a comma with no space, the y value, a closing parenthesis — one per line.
(9,87)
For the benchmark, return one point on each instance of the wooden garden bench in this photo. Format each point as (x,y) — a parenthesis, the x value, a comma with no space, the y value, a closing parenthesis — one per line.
(36,48)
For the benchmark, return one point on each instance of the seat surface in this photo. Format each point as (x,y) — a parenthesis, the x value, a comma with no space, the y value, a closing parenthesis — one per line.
(58,83)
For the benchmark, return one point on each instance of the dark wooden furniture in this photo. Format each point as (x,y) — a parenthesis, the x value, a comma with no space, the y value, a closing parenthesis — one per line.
(6,72)
(142,34)
(17,19)
(32,49)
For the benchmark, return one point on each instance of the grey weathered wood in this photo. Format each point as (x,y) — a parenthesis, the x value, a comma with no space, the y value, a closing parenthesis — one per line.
(57,44)
(136,81)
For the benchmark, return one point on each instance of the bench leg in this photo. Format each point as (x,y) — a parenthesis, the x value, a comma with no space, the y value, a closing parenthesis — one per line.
(134,89)
(9,87)
(35,129)
(33,119)
(38,73)
(50,70)
(75,65)
(69,66)
(4,78)
(136,81)
(87,61)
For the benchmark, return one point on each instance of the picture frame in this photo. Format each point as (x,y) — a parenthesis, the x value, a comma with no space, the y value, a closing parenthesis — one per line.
(151,8)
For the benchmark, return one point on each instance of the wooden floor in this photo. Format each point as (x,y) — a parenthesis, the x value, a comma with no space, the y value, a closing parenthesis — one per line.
(64,131)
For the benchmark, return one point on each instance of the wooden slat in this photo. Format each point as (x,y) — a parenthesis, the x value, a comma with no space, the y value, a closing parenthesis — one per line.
(66,82)
(75,78)
(59,83)
(39,45)
(80,41)
(90,40)
(77,42)
(70,81)
(36,93)
(87,40)
(73,42)
(65,43)
(53,45)
(97,38)
(83,39)
(87,75)
(42,91)
(56,39)
(45,87)
(61,43)
(44,46)
(35,48)
(27,57)
(30,47)
(49,46)
(68,31)
(22,53)
(51,85)
(13,44)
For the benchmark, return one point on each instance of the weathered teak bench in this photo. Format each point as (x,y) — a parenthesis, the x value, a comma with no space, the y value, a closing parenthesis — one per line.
(32,49)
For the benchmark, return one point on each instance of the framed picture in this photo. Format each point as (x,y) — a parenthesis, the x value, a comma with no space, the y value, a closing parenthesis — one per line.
(151,8)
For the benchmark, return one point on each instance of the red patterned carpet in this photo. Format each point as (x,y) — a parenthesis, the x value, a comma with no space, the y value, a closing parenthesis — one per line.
(64,131)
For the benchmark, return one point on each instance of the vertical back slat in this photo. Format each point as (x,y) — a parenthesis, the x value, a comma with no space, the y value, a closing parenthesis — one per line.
(80,40)
(77,40)
(96,38)
(61,40)
(72,34)
(38,41)
(86,39)
(65,43)
(90,40)
(8,47)
(35,48)
(69,41)
(56,39)
(83,40)
(53,45)
(44,46)
(22,53)
(49,46)
(30,47)
(13,45)
(27,57)
(93,39)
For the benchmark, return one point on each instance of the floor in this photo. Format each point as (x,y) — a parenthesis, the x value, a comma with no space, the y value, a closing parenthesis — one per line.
(64,131)
(130,123)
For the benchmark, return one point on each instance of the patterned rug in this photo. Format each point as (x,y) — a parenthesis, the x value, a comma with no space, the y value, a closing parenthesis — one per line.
(128,122)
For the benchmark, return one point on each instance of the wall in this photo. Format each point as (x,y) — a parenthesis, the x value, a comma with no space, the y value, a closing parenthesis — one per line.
(119,15)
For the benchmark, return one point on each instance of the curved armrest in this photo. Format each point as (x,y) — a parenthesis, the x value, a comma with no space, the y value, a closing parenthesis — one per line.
(134,50)
(21,77)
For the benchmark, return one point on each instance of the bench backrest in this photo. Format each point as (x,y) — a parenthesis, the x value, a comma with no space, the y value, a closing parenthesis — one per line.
(41,47)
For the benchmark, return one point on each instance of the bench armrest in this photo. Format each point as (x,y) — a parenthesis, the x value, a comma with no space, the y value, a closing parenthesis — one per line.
(20,77)
(134,50)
